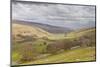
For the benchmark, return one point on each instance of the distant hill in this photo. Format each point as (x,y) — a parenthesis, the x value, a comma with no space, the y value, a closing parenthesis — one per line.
(46,27)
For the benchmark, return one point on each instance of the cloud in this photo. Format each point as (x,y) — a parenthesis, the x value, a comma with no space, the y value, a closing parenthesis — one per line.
(54,14)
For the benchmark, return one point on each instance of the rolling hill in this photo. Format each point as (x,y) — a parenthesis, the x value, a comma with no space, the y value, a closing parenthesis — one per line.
(20,31)
(46,27)
(90,32)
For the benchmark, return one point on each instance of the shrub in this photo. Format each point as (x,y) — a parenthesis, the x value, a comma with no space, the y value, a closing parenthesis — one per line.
(55,46)
(40,47)
(28,53)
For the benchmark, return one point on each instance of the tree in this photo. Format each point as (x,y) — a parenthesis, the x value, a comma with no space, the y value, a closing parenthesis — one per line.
(28,53)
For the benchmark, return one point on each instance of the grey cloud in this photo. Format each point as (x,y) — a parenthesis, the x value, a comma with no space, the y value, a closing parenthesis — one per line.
(54,14)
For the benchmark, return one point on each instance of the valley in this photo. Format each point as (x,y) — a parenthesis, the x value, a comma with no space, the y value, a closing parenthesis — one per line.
(32,44)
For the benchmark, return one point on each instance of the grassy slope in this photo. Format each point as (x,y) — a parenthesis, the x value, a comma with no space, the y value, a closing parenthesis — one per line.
(80,54)
(80,33)
(27,30)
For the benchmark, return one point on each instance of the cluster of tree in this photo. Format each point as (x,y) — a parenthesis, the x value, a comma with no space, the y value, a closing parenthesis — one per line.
(84,41)
(26,38)
(27,53)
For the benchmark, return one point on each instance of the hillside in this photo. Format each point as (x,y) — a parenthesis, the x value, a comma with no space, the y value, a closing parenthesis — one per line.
(46,27)
(83,32)
(20,31)
(75,55)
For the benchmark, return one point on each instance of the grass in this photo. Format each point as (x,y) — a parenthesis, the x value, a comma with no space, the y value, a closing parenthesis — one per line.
(15,56)
(28,30)
(75,55)
(76,34)
(57,36)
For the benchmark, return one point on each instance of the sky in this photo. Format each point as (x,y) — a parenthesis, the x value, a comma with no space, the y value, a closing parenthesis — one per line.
(54,14)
